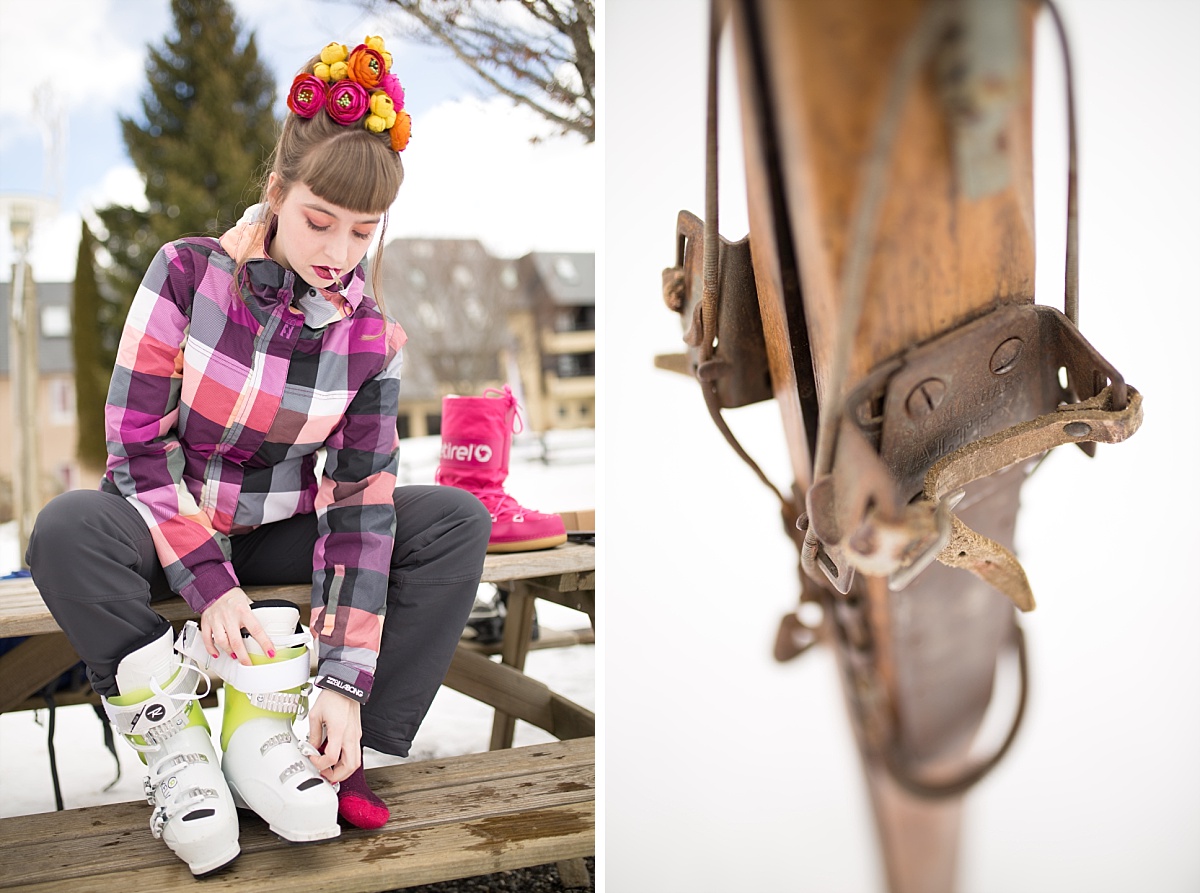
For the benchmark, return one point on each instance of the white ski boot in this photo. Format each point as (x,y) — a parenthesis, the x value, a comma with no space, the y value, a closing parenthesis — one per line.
(158,713)
(266,765)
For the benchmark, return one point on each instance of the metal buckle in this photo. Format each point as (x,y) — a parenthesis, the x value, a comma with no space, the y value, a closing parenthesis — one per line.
(738,370)
(1016,364)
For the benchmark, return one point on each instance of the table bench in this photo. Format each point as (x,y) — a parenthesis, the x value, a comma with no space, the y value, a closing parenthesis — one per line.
(451,818)
(527,806)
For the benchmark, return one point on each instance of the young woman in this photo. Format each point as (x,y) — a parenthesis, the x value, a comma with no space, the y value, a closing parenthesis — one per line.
(251,426)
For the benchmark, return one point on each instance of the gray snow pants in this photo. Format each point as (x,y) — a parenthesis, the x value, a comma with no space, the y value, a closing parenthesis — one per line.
(94,563)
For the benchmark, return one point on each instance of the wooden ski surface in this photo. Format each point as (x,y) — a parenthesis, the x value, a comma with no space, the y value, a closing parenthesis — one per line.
(813,78)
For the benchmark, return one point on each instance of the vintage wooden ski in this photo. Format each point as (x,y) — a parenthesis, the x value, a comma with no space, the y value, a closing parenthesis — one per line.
(889,176)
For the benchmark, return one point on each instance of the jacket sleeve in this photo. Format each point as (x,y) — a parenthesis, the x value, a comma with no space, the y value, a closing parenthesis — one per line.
(145,457)
(356,526)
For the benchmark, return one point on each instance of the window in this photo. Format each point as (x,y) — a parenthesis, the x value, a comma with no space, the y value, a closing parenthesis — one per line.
(430,316)
(67,477)
(565,269)
(403,426)
(576,365)
(475,311)
(575,319)
(56,321)
(62,401)
(433,423)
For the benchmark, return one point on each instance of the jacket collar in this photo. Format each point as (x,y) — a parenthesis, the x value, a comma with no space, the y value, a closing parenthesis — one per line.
(267,280)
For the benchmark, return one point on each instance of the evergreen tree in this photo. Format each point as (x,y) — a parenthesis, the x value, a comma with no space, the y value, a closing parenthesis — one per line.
(207,131)
(91,374)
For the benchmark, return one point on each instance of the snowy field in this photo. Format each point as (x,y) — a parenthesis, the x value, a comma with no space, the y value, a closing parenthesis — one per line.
(456,724)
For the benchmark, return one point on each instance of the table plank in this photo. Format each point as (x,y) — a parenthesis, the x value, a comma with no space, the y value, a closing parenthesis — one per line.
(23,613)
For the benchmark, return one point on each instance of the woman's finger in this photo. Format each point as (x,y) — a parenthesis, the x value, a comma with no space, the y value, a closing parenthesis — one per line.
(259,635)
(206,638)
(352,757)
(329,764)
(316,737)
(227,642)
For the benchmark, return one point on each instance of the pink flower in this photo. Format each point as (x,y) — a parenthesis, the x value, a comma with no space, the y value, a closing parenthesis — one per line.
(307,95)
(390,85)
(347,102)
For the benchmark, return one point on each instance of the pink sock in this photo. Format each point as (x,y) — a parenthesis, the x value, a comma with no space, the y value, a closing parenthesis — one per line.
(358,805)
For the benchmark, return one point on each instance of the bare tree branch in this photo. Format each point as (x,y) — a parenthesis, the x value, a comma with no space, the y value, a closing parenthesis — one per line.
(538,53)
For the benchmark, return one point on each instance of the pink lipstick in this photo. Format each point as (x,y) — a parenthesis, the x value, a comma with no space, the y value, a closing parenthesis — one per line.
(327,272)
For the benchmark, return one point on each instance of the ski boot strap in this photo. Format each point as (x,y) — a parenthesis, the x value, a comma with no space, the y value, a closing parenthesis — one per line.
(164,713)
(275,677)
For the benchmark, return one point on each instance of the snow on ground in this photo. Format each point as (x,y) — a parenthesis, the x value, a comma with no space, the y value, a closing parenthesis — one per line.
(456,724)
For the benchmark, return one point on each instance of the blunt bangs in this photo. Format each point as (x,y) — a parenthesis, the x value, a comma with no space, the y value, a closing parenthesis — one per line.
(353,170)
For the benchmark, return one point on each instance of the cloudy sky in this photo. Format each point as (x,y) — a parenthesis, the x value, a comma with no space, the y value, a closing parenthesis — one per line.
(471,170)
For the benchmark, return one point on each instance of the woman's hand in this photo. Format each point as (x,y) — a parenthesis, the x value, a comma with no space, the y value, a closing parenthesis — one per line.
(222,622)
(334,719)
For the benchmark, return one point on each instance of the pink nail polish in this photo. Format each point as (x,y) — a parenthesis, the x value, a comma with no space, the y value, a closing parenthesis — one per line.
(271,653)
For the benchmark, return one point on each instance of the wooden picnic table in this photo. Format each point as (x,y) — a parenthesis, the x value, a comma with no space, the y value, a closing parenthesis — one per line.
(565,575)
(468,815)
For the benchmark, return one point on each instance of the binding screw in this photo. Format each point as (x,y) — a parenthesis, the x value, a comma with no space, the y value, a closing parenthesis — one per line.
(925,397)
(1006,355)
(1077,429)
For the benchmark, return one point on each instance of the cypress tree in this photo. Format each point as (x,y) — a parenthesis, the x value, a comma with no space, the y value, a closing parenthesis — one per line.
(91,376)
(206,129)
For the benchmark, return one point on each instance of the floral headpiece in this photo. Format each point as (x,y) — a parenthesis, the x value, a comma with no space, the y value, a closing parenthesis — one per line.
(351,84)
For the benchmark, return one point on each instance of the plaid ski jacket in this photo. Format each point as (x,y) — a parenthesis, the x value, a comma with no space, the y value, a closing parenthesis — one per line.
(216,411)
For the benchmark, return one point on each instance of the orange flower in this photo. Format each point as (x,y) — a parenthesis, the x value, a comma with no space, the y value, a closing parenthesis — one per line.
(401,131)
(366,66)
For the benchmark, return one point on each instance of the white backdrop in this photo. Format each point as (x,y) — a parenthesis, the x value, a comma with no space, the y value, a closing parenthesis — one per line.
(726,771)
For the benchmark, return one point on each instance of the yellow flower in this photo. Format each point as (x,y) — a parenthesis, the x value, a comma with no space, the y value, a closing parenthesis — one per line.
(375,43)
(389,121)
(321,70)
(381,104)
(338,71)
(376,124)
(334,52)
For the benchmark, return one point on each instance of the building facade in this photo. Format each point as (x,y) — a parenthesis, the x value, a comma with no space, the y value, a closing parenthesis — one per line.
(475,321)
(57,468)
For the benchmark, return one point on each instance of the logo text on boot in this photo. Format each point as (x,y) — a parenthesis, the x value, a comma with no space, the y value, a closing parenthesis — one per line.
(467,452)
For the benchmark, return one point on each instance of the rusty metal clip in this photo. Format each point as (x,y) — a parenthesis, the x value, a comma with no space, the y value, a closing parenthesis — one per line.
(996,391)
(738,369)
(1092,421)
